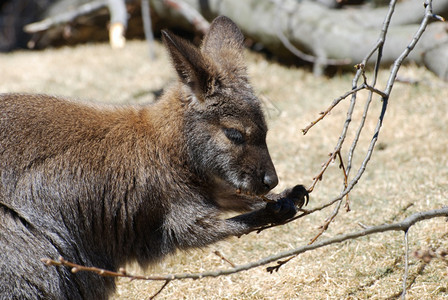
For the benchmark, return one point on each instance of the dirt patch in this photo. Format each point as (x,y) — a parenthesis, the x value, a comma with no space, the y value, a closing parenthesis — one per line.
(410,166)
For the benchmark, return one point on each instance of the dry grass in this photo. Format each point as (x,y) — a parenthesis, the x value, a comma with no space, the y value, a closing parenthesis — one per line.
(409,166)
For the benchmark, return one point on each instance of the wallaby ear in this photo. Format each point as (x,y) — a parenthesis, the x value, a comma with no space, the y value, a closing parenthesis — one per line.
(190,64)
(223,35)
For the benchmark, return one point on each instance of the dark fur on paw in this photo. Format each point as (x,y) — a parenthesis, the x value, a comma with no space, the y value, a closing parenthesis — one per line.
(299,195)
(281,210)
(288,203)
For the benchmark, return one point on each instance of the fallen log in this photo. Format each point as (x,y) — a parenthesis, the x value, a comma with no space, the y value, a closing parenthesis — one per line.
(321,35)
(332,34)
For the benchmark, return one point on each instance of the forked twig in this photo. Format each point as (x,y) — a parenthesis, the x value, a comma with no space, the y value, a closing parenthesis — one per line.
(378,48)
(332,105)
(327,222)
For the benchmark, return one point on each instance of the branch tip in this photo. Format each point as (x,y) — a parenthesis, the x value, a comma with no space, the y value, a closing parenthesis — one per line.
(438,18)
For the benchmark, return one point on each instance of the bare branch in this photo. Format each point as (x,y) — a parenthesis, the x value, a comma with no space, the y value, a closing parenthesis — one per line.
(399,226)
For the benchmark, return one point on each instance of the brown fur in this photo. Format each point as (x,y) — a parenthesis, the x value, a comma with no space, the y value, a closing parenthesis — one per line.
(102,186)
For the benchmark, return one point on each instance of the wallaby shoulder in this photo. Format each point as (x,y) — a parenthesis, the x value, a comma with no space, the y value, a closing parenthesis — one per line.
(48,126)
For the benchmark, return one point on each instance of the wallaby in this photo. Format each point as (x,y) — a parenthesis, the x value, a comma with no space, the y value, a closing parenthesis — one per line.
(104,186)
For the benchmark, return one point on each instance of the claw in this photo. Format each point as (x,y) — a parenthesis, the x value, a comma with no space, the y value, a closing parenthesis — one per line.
(301,195)
(307,198)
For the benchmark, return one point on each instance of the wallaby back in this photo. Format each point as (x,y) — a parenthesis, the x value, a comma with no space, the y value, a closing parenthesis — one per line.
(102,186)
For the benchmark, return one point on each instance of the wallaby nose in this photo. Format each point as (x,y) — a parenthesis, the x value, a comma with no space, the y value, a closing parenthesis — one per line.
(270,180)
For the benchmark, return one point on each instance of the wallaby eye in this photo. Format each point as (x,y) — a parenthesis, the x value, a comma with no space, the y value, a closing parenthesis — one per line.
(234,135)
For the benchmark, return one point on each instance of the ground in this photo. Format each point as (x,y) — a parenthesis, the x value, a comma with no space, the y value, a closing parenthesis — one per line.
(408,173)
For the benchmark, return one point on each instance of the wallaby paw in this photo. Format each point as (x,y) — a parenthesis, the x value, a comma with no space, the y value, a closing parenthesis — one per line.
(287,206)
(282,210)
(298,194)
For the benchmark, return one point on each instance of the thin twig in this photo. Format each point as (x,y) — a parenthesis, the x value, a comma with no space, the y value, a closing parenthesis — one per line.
(335,212)
(406,264)
(358,133)
(220,255)
(280,263)
(344,172)
(411,281)
(332,105)
(367,86)
(330,219)
(160,290)
(318,177)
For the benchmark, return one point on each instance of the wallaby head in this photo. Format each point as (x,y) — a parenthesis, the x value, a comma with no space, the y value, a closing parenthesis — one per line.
(223,120)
